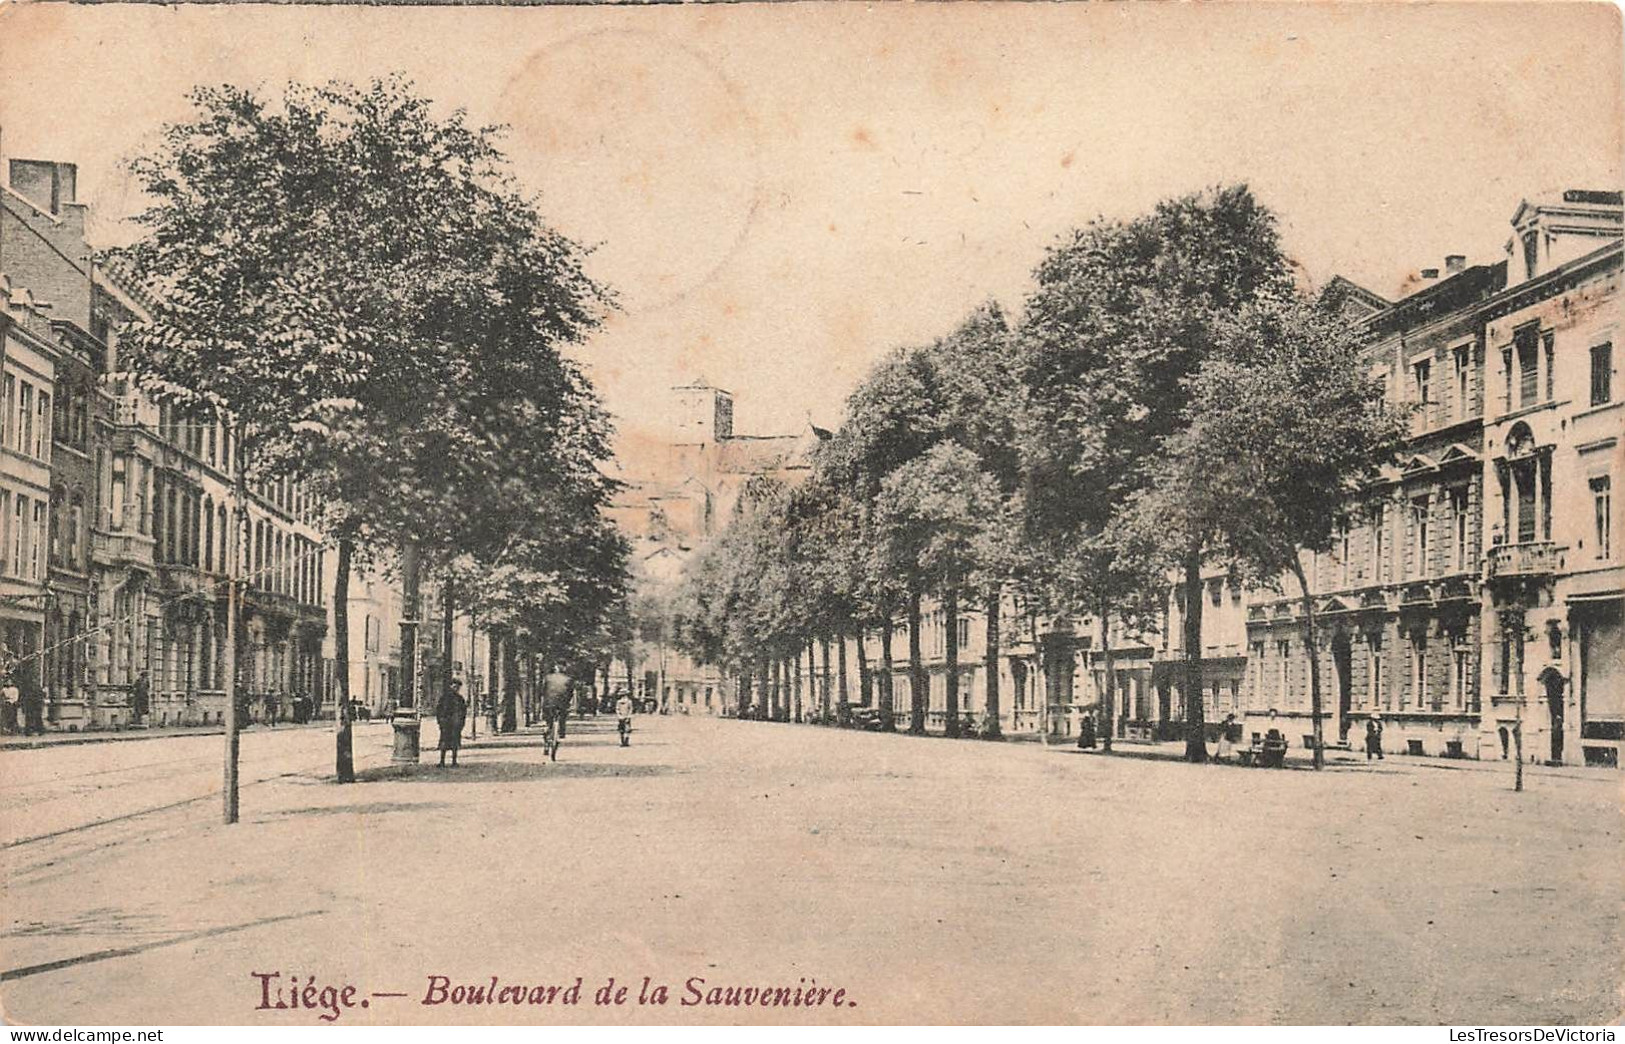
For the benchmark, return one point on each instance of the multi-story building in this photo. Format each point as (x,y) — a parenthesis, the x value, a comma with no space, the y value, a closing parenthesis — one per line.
(1397,594)
(1441,578)
(1554,575)
(129,505)
(28,378)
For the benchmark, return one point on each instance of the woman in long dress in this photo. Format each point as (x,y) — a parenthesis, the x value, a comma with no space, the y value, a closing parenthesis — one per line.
(1222,751)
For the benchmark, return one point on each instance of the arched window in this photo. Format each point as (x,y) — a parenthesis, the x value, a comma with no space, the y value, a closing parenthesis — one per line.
(208,534)
(75,531)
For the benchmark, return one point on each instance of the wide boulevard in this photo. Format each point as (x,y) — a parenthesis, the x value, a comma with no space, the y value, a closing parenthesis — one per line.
(924,879)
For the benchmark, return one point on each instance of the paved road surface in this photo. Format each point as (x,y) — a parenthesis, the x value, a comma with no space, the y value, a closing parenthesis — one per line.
(932,880)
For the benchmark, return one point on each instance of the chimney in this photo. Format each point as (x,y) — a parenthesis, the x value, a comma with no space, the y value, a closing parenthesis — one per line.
(49,186)
(1455,264)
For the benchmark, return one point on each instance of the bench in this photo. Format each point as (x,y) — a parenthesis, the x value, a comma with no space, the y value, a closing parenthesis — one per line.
(1269,752)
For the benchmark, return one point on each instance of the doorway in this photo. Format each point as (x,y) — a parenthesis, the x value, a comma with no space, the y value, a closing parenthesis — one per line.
(1343,661)
(1553,681)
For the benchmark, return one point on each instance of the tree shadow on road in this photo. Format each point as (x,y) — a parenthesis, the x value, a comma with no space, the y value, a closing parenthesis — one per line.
(508,772)
(372,808)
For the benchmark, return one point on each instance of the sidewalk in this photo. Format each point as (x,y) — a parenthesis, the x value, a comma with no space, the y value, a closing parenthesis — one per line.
(70,739)
(1346,761)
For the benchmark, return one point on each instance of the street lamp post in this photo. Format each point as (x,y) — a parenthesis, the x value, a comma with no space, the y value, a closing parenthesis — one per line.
(406,722)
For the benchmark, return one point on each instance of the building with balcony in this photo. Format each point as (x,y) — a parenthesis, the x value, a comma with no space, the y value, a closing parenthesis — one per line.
(1554,578)
(1397,596)
(1478,587)
(127,506)
(29,353)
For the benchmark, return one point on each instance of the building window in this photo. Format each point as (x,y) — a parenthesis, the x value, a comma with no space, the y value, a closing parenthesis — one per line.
(1458,514)
(1419,671)
(1526,342)
(8,406)
(1603,504)
(1463,406)
(25,419)
(143,493)
(42,432)
(1551,364)
(1461,678)
(56,527)
(1424,389)
(76,522)
(964,632)
(1344,547)
(35,560)
(1283,652)
(1379,532)
(1531,253)
(1374,688)
(19,538)
(1419,523)
(1602,374)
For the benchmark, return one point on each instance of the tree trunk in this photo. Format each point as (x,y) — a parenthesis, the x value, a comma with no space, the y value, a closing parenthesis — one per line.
(918,686)
(866,678)
(743,707)
(473,673)
(228,787)
(510,685)
(1311,647)
(843,702)
(795,683)
(1195,738)
(993,730)
(447,637)
(343,732)
(778,689)
(888,703)
(1108,687)
(824,694)
(950,612)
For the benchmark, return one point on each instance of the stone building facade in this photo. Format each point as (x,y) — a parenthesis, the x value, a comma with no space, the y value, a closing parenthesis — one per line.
(1483,569)
(125,551)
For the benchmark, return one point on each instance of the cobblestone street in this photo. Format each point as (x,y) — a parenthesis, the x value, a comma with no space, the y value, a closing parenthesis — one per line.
(975,881)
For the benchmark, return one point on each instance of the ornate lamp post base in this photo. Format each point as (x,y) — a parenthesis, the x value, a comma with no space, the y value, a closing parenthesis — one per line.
(408,730)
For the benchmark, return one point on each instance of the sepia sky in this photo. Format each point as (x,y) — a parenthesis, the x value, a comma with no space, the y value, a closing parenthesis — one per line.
(781,194)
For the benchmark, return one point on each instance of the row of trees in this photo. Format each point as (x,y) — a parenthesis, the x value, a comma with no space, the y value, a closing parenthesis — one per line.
(1168,399)
(362,292)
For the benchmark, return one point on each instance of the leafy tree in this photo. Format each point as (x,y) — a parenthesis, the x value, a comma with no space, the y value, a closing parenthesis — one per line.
(1290,429)
(1124,313)
(936,508)
(359,287)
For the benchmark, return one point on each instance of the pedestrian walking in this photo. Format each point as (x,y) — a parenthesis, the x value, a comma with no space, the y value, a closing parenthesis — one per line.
(1086,731)
(11,699)
(140,695)
(450,714)
(1373,737)
(33,700)
(1221,751)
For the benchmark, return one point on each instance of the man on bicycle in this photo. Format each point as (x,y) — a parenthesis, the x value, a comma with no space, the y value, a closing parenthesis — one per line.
(557,690)
(623,712)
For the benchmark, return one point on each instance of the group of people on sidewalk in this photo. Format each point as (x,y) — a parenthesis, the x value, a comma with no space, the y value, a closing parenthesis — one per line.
(451,715)
(1225,743)
(23,708)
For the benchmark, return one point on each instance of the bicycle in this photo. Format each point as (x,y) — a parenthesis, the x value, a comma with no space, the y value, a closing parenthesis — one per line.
(551,737)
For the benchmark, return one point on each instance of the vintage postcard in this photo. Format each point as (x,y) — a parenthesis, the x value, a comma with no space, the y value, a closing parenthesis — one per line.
(811,514)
